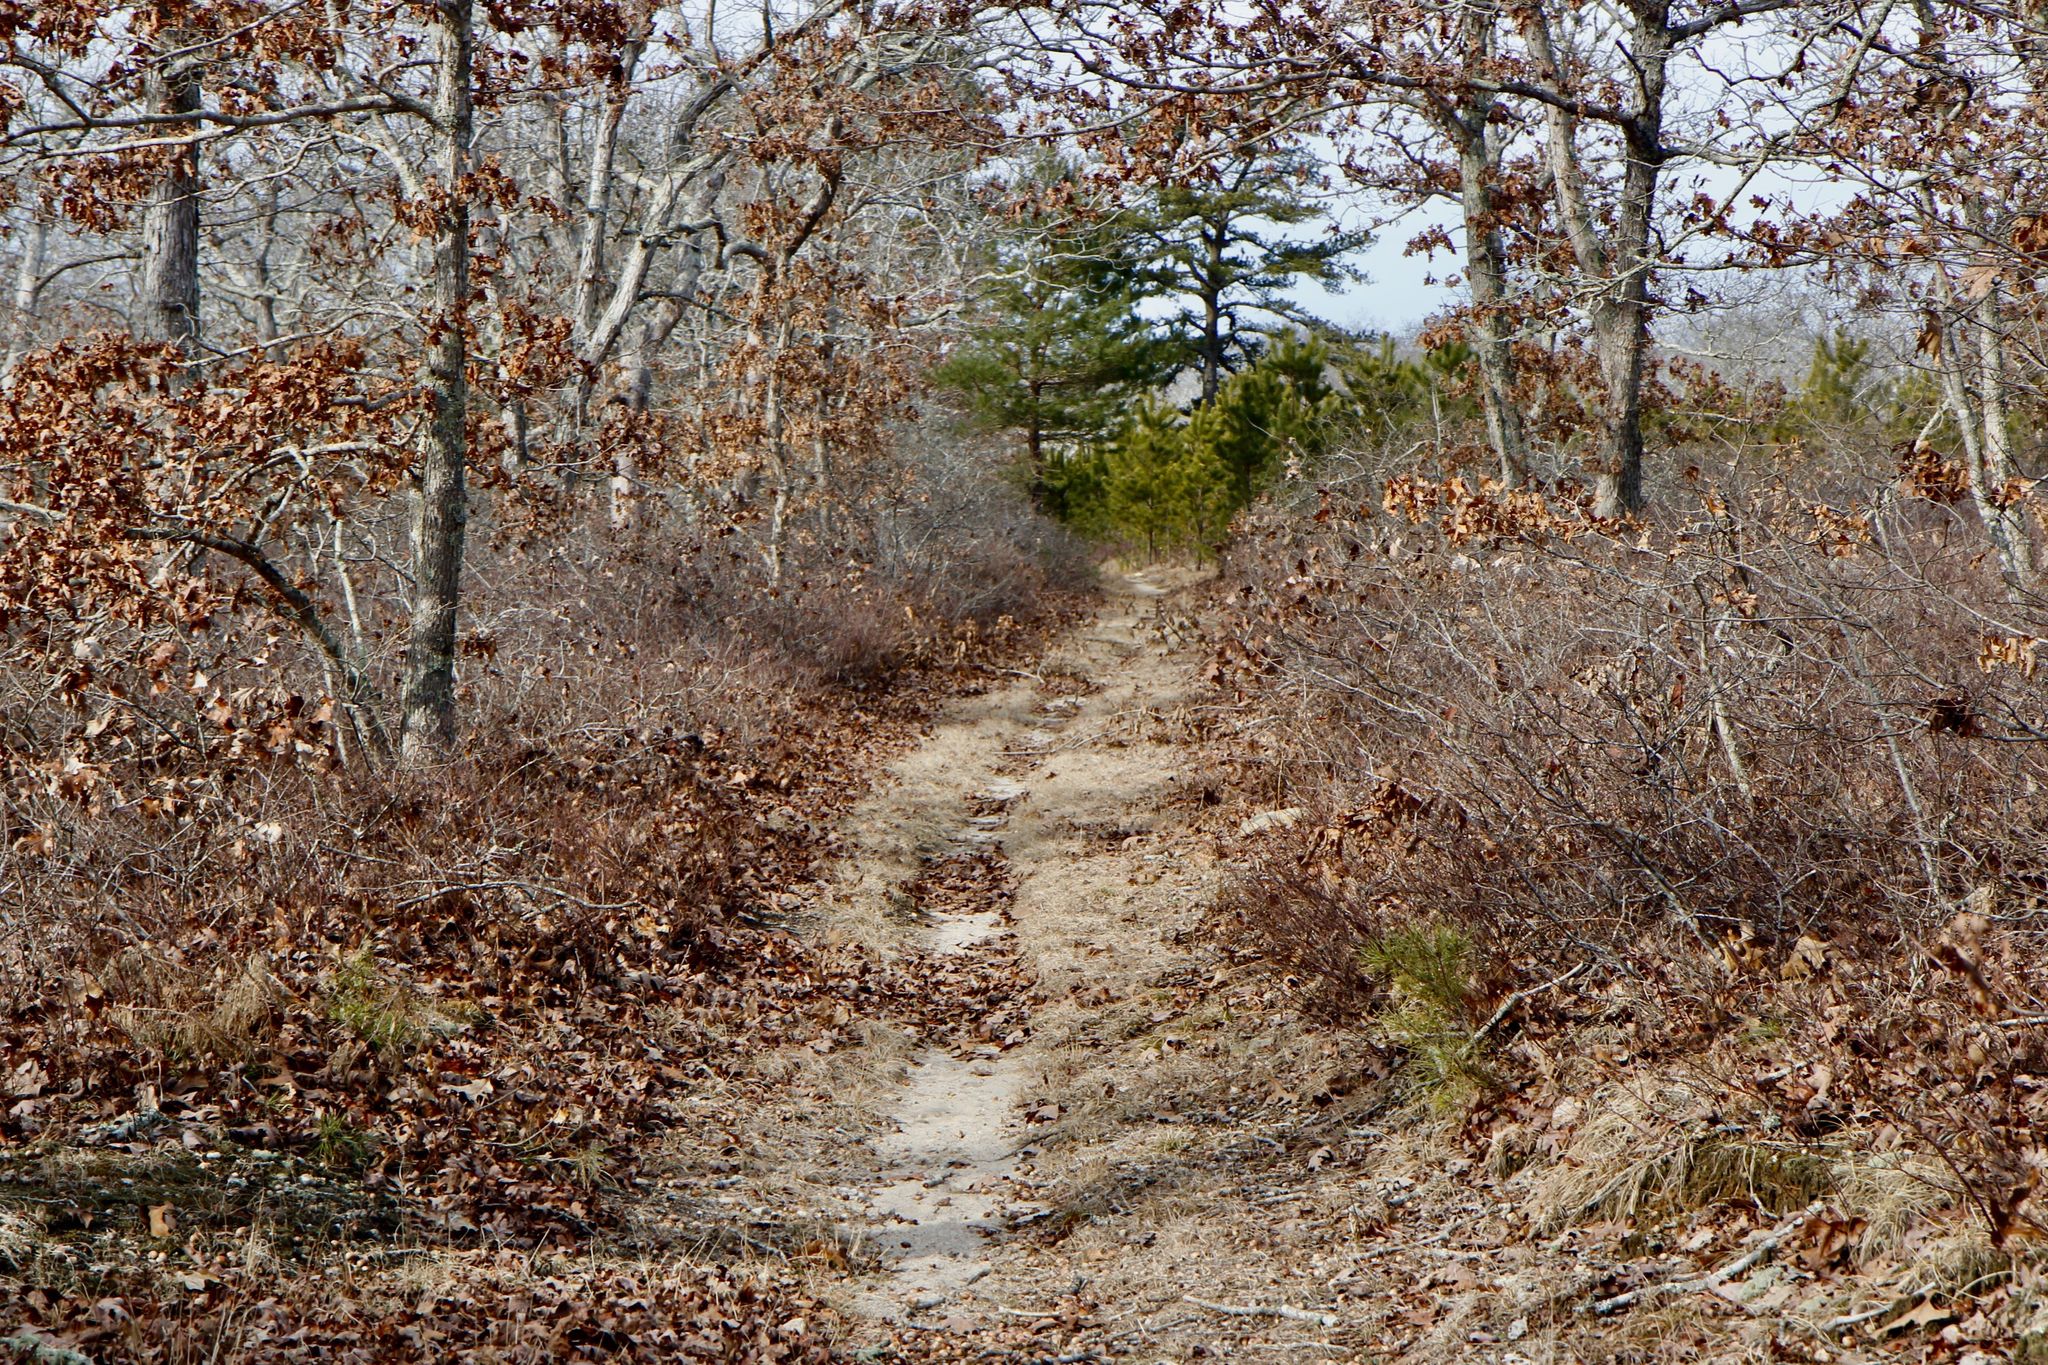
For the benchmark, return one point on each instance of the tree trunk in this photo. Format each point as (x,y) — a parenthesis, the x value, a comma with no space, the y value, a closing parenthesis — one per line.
(2004,516)
(257,276)
(1034,431)
(639,390)
(443,512)
(655,331)
(597,193)
(777,452)
(597,199)
(1469,125)
(1621,336)
(1975,387)
(821,420)
(1212,316)
(518,440)
(28,277)
(1486,275)
(1617,265)
(168,309)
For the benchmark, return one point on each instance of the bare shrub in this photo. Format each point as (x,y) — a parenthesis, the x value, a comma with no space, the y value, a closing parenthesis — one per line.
(211,902)
(1771,760)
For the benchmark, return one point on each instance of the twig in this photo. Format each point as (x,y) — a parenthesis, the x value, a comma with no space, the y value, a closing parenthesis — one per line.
(24,509)
(1713,1280)
(1508,1005)
(537,888)
(1260,1310)
(1848,1320)
(1390,1248)
(2022,1021)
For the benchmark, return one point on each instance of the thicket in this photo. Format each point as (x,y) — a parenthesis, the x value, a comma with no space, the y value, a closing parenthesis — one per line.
(479,989)
(1754,785)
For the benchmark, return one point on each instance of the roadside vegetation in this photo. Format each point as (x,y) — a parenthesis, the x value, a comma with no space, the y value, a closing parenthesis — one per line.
(493,496)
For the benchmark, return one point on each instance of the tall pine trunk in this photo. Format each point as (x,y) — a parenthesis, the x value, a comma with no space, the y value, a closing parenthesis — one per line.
(428,705)
(1211,280)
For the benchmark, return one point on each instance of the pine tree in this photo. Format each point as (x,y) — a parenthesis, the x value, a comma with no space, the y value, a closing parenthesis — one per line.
(1387,393)
(1174,481)
(1846,392)
(1058,350)
(1225,253)
(1163,487)
(1279,409)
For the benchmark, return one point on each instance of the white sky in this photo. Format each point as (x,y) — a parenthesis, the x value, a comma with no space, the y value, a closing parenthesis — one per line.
(1397,294)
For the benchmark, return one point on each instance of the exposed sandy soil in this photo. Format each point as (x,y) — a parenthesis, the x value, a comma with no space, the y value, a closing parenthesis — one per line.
(1064,795)
(1172,1163)
(1122,1159)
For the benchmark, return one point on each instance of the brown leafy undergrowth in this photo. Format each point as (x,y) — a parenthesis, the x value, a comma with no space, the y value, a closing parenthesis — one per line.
(1723,958)
(398,1023)
(492,1307)
(964,1001)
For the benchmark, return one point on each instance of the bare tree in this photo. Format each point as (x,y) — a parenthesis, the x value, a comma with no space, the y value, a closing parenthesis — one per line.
(428,719)
(167,308)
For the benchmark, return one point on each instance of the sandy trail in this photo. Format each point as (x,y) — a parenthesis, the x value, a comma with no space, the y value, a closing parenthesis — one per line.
(1178,1163)
(1037,770)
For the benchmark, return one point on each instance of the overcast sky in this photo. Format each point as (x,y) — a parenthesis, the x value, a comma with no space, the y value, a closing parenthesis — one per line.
(1396,295)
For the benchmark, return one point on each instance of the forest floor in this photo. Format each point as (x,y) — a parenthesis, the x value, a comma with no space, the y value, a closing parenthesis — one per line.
(1103,1134)
(1150,1153)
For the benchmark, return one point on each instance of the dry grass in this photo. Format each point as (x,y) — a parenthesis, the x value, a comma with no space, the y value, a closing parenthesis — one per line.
(184,1013)
(1896,1193)
(1629,1159)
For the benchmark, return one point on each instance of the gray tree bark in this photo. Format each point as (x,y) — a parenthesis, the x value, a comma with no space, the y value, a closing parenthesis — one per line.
(28,277)
(1616,266)
(428,703)
(1486,269)
(168,307)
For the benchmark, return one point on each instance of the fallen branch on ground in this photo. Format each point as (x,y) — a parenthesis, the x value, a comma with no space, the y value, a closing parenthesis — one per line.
(1259,1310)
(1508,1005)
(1848,1320)
(1712,1280)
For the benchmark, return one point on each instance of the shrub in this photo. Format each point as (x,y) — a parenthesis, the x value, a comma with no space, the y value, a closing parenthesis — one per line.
(1173,482)
(1766,760)
(1426,970)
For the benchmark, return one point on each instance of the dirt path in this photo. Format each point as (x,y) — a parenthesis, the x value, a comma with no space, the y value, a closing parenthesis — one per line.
(1102,1133)
(1052,774)
(1169,1162)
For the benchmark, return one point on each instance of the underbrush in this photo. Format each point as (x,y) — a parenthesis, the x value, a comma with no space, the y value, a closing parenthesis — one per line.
(489,1307)
(1755,794)
(469,996)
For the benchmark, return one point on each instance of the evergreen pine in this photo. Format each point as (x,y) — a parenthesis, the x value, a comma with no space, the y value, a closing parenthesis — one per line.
(1224,254)
(1058,351)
